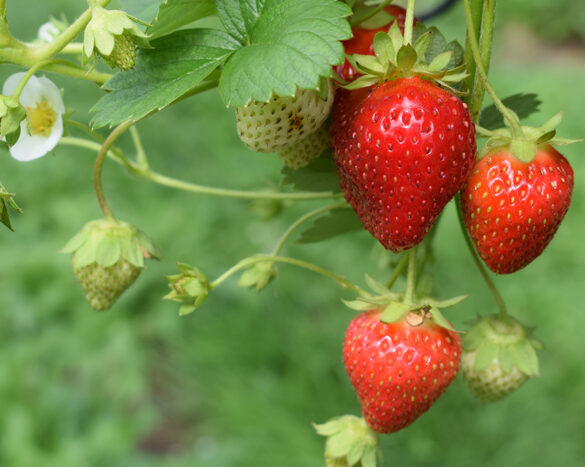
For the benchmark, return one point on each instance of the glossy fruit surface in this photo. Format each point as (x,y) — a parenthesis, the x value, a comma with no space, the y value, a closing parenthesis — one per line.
(403,149)
(512,209)
(398,370)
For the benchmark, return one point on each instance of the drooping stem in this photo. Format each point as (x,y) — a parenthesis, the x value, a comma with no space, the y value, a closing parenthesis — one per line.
(303,219)
(472,78)
(484,274)
(99,162)
(27,76)
(342,281)
(508,115)
(410,276)
(409,22)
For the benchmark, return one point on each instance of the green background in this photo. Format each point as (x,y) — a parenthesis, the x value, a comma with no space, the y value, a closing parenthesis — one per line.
(239,382)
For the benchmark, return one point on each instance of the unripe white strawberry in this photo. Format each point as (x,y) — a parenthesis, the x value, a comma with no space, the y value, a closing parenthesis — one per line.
(108,256)
(303,152)
(282,121)
(498,357)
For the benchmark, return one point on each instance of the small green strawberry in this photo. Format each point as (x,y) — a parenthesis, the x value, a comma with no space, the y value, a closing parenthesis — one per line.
(189,288)
(499,355)
(283,120)
(303,152)
(114,36)
(108,256)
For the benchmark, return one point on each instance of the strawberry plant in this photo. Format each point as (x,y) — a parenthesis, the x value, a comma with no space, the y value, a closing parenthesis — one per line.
(376,115)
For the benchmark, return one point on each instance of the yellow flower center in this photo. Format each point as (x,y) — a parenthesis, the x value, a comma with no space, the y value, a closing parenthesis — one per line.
(40,119)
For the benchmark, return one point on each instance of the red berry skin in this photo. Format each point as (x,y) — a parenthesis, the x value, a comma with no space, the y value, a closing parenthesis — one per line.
(362,41)
(512,209)
(397,370)
(403,149)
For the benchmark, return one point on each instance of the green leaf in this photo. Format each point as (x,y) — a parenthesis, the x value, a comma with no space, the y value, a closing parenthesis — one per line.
(174,14)
(285,44)
(319,175)
(337,222)
(523,104)
(174,65)
(486,353)
(145,10)
(4,217)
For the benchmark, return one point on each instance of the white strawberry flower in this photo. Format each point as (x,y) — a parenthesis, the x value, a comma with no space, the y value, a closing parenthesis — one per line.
(42,128)
(47,32)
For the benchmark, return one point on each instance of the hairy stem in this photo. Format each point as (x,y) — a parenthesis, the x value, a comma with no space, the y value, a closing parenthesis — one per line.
(409,22)
(506,113)
(303,219)
(342,281)
(99,162)
(397,271)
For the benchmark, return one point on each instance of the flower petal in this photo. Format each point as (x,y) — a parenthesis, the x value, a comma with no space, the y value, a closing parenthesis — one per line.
(30,147)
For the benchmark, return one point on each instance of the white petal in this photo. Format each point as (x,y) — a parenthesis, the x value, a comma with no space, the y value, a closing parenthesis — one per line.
(47,32)
(30,147)
(11,83)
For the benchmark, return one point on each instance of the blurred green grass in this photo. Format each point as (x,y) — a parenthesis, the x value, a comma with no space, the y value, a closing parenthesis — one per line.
(239,382)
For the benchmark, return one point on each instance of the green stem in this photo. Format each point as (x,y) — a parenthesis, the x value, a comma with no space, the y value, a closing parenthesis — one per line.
(476,259)
(410,276)
(476,14)
(303,219)
(508,115)
(99,162)
(206,190)
(74,48)
(141,159)
(27,76)
(193,188)
(409,22)
(397,271)
(342,281)
(372,13)
(66,36)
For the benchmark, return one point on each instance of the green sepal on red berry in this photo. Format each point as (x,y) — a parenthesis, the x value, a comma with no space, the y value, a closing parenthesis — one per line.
(350,442)
(284,120)
(189,288)
(429,57)
(113,35)
(108,256)
(499,355)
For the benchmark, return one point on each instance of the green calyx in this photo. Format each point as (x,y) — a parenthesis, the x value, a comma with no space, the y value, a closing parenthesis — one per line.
(12,113)
(189,288)
(107,30)
(523,141)
(7,198)
(395,308)
(350,442)
(259,275)
(107,241)
(430,57)
(507,341)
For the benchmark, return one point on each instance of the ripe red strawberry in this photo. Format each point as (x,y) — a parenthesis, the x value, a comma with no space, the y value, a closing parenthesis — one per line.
(512,209)
(362,40)
(403,149)
(398,370)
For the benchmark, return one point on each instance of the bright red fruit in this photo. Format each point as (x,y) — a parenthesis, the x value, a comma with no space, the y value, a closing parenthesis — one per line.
(362,40)
(403,149)
(512,209)
(397,370)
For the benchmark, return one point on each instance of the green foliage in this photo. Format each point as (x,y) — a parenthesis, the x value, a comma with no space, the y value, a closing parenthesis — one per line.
(337,222)
(285,44)
(523,104)
(174,14)
(174,65)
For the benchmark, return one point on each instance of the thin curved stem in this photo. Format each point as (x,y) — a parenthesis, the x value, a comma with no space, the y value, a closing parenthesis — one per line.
(342,281)
(141,159)
(228,193)
(484,274)
(27,76)
(397,271)
(99,162)
(410,276)
(506,113)
(301,220)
